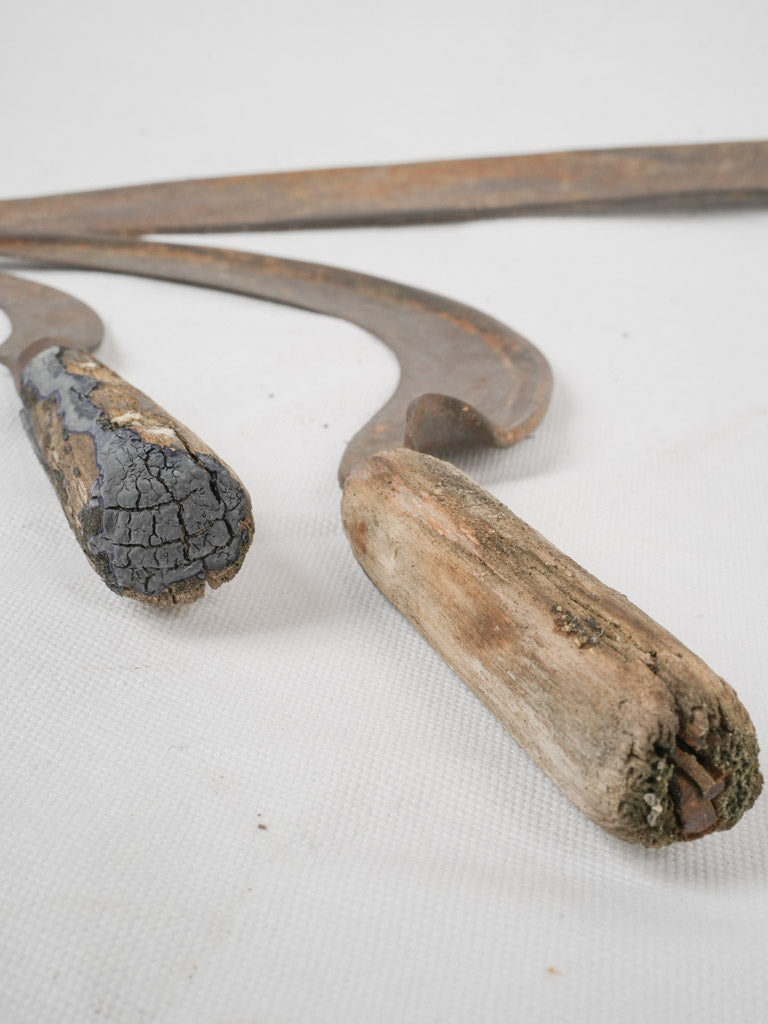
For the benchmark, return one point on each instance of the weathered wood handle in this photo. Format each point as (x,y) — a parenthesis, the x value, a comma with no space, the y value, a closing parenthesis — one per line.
(635,729)
(157,513)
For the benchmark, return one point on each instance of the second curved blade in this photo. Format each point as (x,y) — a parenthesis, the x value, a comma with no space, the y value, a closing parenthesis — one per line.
(465,377)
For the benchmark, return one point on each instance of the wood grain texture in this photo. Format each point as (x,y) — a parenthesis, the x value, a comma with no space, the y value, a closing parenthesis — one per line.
(156,512)
(607,702)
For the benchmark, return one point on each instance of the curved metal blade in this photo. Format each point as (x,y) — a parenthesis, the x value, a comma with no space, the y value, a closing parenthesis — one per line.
(41,316)
(465,377)
(581,181)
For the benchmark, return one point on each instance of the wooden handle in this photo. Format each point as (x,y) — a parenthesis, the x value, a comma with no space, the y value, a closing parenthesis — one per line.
(156,512)
(635,729)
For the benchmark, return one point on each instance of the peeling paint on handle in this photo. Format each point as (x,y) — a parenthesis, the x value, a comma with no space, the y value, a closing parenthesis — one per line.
(157,513)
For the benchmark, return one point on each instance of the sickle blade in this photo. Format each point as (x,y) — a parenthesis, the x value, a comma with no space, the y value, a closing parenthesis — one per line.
(465,377)
(638,178)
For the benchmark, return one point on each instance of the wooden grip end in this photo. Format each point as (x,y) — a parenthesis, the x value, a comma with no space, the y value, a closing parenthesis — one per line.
(635,729)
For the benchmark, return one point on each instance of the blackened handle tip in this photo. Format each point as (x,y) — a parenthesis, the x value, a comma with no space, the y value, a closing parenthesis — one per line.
(156,512)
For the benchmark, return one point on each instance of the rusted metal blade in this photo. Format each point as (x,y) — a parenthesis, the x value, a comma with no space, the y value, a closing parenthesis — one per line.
(465,377)
(641,178)
(40,317)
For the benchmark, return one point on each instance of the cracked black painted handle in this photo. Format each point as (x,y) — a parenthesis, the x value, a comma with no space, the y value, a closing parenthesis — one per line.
(157,513)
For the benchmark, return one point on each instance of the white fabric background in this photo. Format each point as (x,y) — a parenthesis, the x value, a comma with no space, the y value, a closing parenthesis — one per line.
(414,866)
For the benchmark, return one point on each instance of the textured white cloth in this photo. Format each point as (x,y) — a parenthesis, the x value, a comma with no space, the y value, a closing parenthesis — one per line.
(279,806)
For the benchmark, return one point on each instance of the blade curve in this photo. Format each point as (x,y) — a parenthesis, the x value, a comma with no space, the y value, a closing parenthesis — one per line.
(42,316)
(465,377)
